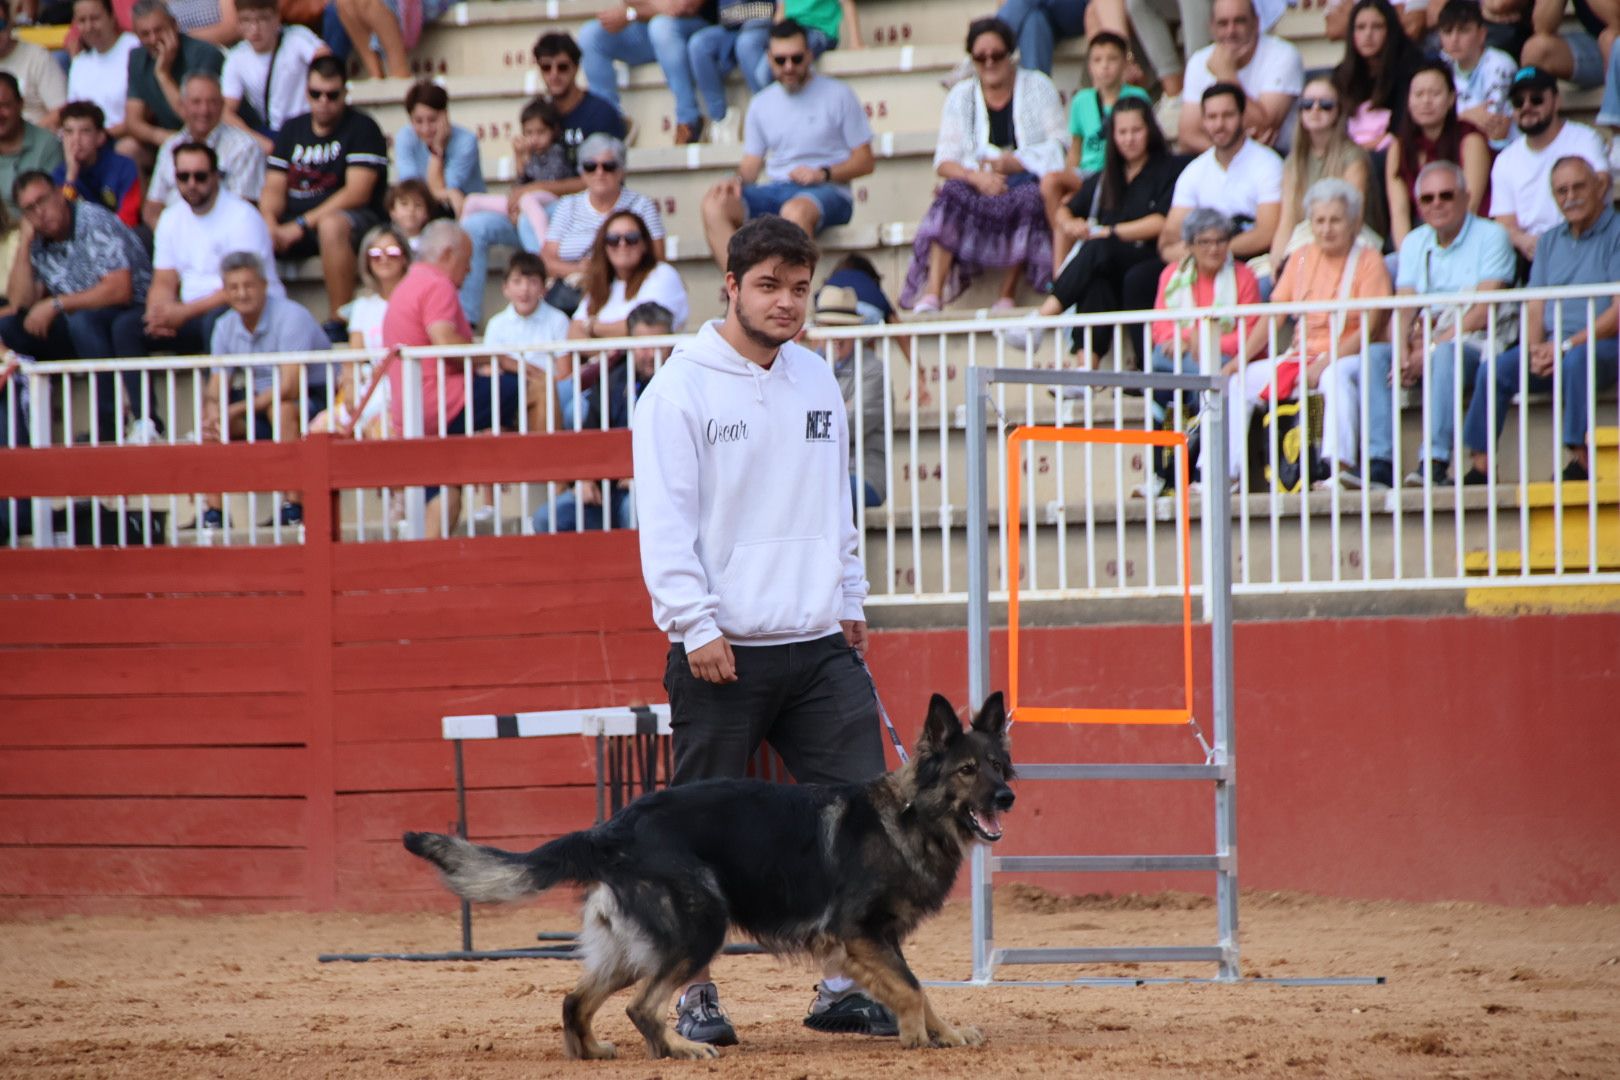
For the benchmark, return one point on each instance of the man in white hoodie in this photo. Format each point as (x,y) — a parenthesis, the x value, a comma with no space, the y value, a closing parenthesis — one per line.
(748,548)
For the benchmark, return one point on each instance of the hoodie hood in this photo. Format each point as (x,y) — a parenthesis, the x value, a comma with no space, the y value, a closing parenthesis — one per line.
(711,350)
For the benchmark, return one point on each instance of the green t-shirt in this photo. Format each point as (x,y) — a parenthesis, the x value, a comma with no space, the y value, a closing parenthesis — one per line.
(40,150)
(194,55)
(824,15)
(1086,117)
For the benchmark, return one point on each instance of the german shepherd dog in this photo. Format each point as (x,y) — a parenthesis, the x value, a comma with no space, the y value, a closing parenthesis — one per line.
(839,873)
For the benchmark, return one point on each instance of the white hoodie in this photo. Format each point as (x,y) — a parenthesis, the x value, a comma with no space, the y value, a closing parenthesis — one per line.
(743,497)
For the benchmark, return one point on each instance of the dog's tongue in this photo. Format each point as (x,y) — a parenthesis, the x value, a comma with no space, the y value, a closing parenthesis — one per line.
(988,821)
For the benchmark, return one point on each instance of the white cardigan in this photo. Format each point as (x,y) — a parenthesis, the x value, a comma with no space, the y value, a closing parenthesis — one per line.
(1039,127)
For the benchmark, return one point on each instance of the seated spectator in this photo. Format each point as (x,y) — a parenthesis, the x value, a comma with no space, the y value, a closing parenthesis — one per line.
(1522,200)
(410,207)
(84,269)
(241,162)
(1117,219)
(809,137)
(999,133)
(1453,251)
(385,255)
(1038,25)
(1334,266)
(1508,23)
(1372,77)
(263,79)
(1207,277)
(158,69)
(1320,147)
(23,146)
(1482,75)
(1105,63)
(92,169)
(576,219)
(583,113)
(39,76)
(581,506)
(855,271)
(99,71)
(1327,350)
(624,34)
(863,390)
(11,240)
(527,320)
(193,238)
(623,270)
(383,32)
(323,189)
(1268,68)
(1583,249)
(445,157)
(737,40)
(1581,56)
(1432,131)
(546,172)
(823,22)
(1154,22)
(1236,175)
(213,21)
(273,405)
(1412,16)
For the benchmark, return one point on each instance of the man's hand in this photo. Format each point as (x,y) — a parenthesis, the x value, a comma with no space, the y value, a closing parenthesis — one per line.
(714,662)
(39,318)
(1542,359)
(805,176)
(855,634)
(590,495)
(163,318)
(1524,244)
(286,235)
(614,19)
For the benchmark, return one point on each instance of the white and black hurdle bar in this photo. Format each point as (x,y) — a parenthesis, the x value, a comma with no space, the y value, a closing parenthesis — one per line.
(631,744)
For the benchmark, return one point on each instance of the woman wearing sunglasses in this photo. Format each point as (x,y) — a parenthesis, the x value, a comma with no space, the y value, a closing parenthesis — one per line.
(1321,148)
(577,219)
(999,133)
(385,255)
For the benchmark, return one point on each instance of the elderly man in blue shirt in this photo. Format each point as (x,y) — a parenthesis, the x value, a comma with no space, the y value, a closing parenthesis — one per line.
(1453,251)
(1583,250)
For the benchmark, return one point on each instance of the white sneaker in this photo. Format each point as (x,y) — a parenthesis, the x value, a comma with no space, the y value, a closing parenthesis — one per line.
(1168,113)
(1018,337)
(726,131)
(142,432)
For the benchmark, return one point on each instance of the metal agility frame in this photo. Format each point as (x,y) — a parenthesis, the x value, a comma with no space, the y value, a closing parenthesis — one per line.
(1219,766)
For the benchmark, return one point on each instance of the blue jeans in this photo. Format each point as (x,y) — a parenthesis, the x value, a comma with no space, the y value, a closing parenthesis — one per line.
(661,38)
(1609,112)
(1441,393)
(1040,25)
(85,335)
(715,51)
(855,491)
(486,230)
(568,513)
(815,39)
(1477,435)
(1163,360)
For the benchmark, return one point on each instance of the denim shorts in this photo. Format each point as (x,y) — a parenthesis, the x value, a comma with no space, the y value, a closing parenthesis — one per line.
(1589,66)
(832,199)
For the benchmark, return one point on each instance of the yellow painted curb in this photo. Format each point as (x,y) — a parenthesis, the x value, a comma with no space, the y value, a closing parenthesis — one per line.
(1543,600)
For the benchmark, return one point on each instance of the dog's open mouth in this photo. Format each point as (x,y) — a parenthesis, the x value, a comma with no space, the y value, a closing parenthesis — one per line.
(985,825)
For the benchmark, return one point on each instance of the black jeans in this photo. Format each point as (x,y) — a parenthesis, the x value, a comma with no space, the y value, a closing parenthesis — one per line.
(194,338)
(1109,274)
(812,701)
(84,335)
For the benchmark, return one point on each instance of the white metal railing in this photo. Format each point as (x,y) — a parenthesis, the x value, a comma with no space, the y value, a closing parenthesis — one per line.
(1096,521)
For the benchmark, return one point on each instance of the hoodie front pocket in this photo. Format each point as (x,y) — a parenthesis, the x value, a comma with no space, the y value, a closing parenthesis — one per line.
(790,585)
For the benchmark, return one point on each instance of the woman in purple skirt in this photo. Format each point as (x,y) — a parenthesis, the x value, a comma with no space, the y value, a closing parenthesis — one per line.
(999,133)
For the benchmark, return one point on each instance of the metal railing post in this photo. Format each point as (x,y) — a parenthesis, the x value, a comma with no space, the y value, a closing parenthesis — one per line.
(978,569)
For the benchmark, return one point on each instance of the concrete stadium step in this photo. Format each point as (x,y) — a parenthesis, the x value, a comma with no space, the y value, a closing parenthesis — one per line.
(899,87)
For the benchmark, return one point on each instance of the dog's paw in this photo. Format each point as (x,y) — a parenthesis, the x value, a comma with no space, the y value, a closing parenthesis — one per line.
(600,1051)
(971,1036)
(694,1051)
(915,1040)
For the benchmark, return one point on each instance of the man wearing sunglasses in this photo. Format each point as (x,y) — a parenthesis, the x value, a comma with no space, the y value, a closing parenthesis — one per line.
(809,137)
(192,238)
(1521,198)
(583,113)
(324,185)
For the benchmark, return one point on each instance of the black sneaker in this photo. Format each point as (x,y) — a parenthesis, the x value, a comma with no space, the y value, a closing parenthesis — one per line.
(292,513)
(1474,476)
(1433,472)
(700,1018)
(849,1012)
(337,331)
(1575,473)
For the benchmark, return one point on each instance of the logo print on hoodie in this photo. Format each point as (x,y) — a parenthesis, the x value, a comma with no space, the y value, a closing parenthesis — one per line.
(818,425)
(717,432)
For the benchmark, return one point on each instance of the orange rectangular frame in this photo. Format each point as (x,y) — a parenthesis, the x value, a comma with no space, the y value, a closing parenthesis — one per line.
(1175,440)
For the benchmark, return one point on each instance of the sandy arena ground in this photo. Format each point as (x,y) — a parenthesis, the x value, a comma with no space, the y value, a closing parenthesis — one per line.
(1473,991)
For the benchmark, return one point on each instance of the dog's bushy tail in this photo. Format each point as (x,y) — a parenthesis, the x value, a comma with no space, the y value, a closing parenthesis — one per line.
(489,875)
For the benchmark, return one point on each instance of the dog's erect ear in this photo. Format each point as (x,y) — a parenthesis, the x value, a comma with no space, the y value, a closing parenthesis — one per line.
(992,719)
(941,725)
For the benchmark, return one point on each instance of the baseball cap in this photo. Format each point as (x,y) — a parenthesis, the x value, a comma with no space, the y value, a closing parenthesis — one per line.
(1532,78)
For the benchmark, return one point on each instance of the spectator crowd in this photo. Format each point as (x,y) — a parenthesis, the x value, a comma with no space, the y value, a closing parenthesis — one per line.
(156,183)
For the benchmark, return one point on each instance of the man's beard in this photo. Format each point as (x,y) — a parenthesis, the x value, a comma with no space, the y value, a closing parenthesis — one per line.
(760,337)
(1538,127)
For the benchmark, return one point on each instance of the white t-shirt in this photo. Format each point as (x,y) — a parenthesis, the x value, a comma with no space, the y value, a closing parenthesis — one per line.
(1487,84)
(245,72)
(544,324)
(39,76)
(1521,179)
(663,285)
(193,245)
(1253,179)
(1275,68)
(103,77)
(366,319)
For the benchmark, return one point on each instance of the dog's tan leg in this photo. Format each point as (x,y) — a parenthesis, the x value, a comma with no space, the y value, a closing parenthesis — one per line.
(942,1033)
(648,1012)
(580,1007)
(882,972)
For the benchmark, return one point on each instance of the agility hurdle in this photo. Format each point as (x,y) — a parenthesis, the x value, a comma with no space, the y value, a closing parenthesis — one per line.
(1219,766)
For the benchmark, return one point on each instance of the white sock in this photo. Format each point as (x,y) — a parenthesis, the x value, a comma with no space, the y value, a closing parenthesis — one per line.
(836,984)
